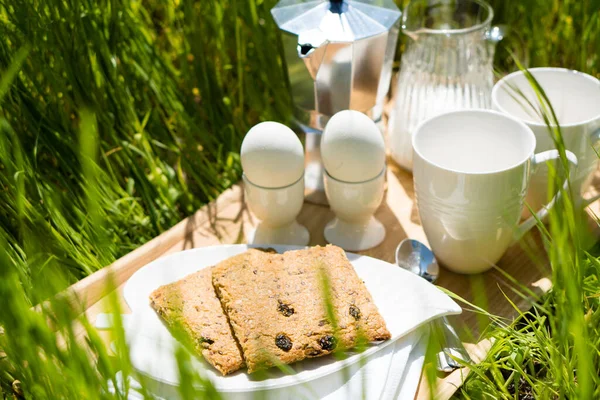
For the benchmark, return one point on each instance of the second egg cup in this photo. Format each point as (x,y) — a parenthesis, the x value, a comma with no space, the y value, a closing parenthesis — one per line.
(277,208)
(355,228)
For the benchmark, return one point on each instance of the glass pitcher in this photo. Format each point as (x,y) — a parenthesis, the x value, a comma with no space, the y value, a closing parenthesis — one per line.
(447,65)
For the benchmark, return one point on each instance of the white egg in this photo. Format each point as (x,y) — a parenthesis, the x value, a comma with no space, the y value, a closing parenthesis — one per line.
(352,147)
(272,155)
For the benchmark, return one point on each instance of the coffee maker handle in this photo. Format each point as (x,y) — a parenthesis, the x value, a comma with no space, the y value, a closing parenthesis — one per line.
(542,158)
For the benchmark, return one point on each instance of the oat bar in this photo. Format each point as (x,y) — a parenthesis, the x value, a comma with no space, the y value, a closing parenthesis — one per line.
(191,303)
(277,309)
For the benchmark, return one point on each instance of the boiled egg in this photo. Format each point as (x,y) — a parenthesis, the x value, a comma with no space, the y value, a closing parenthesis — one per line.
(272,155)
(352,147)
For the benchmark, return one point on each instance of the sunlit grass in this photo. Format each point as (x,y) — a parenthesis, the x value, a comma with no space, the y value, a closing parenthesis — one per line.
(171,101)
(120,118)
(552,350)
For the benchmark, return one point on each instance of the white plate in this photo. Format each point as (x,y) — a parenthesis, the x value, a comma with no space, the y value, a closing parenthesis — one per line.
(404,300)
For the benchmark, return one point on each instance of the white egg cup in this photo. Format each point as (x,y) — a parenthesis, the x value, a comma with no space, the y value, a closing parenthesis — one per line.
(277,208)
(355,228)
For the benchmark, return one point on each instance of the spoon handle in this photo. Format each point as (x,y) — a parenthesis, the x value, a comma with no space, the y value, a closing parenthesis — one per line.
(453,354)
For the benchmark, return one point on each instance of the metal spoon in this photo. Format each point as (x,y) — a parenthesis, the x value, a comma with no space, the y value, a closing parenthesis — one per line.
(417,258)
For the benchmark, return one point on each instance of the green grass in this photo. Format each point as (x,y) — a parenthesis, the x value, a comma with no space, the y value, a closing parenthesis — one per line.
(173,92)
(553,33)
(174,86)
(119,118)
(552,350)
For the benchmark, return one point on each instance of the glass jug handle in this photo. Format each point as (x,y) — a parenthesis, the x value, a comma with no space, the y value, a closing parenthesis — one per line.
(496,33)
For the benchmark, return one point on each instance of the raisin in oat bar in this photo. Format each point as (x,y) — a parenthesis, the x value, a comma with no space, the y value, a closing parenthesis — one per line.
(276,307)
(191,303)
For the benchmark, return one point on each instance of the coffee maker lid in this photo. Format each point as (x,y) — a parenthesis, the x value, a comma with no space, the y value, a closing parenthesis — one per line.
(337,20)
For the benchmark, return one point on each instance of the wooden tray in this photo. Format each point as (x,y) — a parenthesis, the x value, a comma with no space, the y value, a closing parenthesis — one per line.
(226,220)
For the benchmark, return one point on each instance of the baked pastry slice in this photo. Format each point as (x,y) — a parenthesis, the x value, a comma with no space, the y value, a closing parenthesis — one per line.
(190,304)
(280,312)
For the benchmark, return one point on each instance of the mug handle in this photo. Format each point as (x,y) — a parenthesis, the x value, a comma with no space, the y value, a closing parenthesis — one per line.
(541,158)
(594,139)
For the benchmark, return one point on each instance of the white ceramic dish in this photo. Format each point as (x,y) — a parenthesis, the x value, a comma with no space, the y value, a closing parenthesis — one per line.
(354,204)
(404,300)
(277,209)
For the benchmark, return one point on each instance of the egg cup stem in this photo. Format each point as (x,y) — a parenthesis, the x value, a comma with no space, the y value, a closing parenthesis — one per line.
(355,236)
(292,234)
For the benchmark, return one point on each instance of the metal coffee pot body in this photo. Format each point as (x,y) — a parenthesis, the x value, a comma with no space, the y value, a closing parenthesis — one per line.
(339,56)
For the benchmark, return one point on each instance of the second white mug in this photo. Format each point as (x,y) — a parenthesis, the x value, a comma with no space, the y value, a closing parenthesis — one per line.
(575,97)
(471,172)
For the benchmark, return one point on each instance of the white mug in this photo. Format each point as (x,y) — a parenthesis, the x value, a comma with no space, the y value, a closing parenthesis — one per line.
(575,98)
(471,170)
